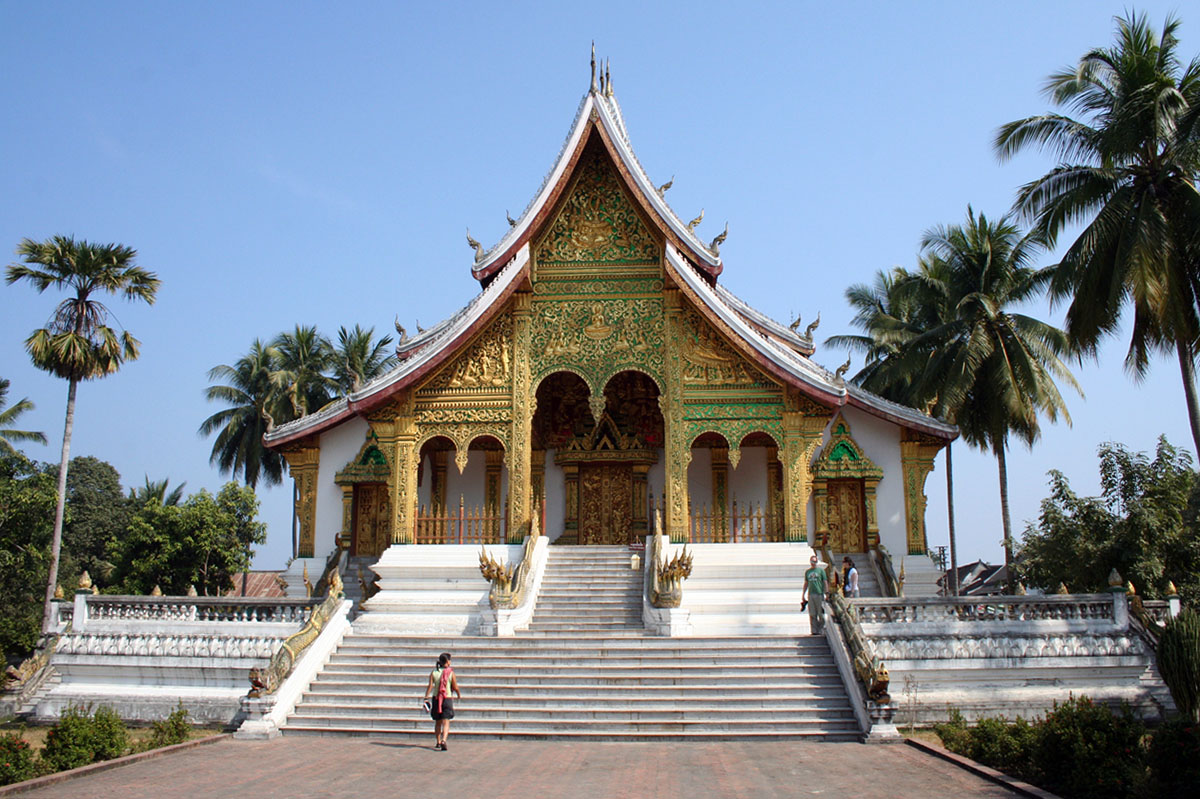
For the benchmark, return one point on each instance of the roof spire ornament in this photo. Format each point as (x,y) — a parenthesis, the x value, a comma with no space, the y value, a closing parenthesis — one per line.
(594,87)
(511,222)
(808,331)
(795,325)
(715,246)
(663,188)
(840,374)
(419,328)
(400,331)
(479,253)
(692,225)
(608,92)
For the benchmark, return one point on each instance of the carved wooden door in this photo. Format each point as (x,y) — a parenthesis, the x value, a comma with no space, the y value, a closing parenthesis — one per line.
(605,503)
(847,518)
(372,519)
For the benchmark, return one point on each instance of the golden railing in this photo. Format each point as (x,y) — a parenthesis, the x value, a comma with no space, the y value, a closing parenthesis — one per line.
(752,523)
(477,525)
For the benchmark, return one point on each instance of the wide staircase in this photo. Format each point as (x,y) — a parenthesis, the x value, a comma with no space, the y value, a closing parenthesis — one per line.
(585,670)
(868,585)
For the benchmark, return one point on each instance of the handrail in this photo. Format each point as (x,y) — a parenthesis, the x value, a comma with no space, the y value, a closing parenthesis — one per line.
(267,681)
(892,585)
(510,584)
(666,577)
(871,671)
(106,607)
(990,609)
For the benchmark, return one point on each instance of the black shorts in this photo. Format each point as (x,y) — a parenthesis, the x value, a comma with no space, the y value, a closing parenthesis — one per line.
(447,709)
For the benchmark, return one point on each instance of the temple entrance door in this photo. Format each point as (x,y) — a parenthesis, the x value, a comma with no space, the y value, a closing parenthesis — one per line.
(605,503)
(371,520)
(847,518)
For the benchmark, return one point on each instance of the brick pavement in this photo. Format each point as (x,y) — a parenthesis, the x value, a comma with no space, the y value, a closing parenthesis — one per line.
(315,768)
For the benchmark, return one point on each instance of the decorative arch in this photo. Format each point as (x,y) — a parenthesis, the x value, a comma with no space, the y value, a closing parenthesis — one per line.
(844,493)
(366,506)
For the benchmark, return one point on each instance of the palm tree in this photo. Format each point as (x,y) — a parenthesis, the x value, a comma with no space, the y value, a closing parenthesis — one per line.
(302,362)
(157,490)
(991,370)
(357,361)
(255,403)
(1127,169)
(77,344)
(9,417)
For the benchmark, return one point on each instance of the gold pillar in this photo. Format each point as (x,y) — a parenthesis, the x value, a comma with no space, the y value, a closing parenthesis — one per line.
(869,486)
(775,493)
(677,448)
(303,463)
(571,512)
(820,496)
(719,467)
(347,534)
(396,430)
(804,422)
(437,480)
(917,452)
(523,403)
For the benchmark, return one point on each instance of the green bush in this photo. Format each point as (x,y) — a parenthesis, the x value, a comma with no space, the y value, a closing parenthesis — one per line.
(1179,661)
(174,729)
(955,734)
(16,759)
(1007,746)
(78,739)
(1174,759)
(1084,749)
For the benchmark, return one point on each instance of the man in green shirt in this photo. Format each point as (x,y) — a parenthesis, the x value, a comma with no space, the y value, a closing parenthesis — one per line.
(815,588)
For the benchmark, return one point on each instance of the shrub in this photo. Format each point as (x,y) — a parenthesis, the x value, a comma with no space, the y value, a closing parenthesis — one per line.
(1007,746)
(1179,661)
(1084,749)
(78,739)
(955,734)
(16,759)
(174,729)
(1174,759)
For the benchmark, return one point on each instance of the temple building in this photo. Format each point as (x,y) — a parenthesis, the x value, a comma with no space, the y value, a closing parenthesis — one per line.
(603,375)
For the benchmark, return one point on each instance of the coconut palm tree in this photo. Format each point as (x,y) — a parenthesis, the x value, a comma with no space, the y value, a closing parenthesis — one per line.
(255,404)
(9,416)
(77,343)
(303,360)
(991,370)
(157,490)
(357,359)
(1128,165)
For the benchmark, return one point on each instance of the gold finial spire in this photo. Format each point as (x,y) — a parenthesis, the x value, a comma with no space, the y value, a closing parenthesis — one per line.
(1171,589)
(594,87)
(608,92)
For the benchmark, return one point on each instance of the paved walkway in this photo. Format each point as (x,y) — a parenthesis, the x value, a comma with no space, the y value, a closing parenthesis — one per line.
(307,768)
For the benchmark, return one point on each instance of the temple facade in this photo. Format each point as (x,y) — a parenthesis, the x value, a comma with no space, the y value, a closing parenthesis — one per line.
(601,377)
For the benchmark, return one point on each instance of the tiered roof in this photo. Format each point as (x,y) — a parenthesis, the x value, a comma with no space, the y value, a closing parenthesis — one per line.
(690,264)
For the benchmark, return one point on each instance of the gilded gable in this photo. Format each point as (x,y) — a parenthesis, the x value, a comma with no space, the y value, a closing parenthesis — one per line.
(597,223)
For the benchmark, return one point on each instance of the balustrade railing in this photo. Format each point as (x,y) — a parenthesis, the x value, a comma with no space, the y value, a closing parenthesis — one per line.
(198,609)
(477,525)
(902,610)
(738,524)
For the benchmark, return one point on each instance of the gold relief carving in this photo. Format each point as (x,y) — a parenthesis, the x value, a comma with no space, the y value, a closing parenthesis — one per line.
(802,432)
(597,338)
(486,363)
(597,222)
(606,503)
(347,516)
(404,488)
(677,444)
(917,453)
(709,360)
(519,453)
(569,285)
(303,463)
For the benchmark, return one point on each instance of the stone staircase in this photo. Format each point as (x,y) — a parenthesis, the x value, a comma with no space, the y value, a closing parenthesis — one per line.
(868,584)
(585,670)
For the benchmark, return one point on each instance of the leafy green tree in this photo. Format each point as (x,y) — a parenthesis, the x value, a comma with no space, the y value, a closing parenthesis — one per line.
(203,541)
(303,360)
(77,344)
(9,416)
(358,358)
(255,404)
(99,513)
(1145,524)
(27,500)
(1128,166)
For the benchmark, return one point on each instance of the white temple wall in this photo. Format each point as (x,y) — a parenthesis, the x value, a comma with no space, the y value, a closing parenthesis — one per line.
(556,497)
(699,479)
(656,482)
(880,441)
(748,485)
(339,445)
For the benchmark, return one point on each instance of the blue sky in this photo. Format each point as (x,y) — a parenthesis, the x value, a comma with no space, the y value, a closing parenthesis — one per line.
(283,163)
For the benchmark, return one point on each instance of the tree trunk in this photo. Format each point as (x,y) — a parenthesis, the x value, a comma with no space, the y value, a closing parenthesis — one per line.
(1187,369)
(1005,518)
(953,582)
(59,512)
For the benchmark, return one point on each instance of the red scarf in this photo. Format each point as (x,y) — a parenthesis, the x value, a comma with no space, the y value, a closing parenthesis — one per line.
(444,686)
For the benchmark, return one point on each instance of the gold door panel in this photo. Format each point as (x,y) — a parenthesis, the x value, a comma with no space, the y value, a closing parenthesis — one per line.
(371,519)
(605,503)
(846,516)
